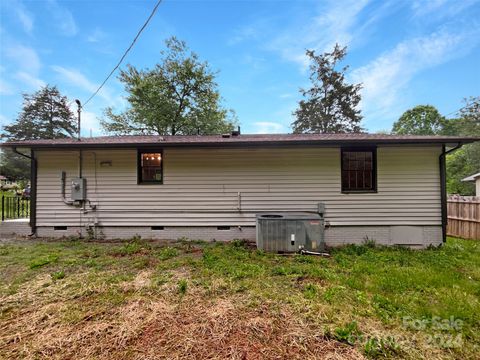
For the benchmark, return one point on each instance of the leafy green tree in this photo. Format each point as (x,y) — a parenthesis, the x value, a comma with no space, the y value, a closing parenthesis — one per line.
(331,104)
(426,120)
(460,164)
(45,115)
(468,120)
(421,120)
(13,166)
(179,96)
(465,161)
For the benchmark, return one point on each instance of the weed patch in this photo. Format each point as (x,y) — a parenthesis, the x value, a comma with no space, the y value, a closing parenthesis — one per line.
(348,334)
(376,348)
(167,253)
(43,261)
(182,287)
(57,275)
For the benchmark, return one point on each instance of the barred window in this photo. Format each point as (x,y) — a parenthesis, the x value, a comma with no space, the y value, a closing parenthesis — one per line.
(359,170)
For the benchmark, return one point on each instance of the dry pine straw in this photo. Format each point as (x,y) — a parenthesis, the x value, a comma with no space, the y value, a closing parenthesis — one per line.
(164,326)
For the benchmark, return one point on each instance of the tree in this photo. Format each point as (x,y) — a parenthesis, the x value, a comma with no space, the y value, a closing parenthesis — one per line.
(330,105)
(426,120)
(45,115)
(468,121)
(421,120)
(466,160)
(14,166)
(179,96)
(460,164)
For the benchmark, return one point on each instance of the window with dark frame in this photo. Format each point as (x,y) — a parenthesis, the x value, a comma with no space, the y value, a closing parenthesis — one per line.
(359,170)
(150,167)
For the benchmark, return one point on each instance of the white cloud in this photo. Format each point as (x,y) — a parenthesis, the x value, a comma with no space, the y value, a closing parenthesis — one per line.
(347,22)
(421,7)
(439,8)
(90,122)
(30,80)
(255,30)
(334,22)
(267,127)
(25,58)
(77,79)
(63,18)
(254,62)
(96,36)
(387,76)
(3,120)
(23,15)
(6,88)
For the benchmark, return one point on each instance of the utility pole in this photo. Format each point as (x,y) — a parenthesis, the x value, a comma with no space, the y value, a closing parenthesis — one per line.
(79,110)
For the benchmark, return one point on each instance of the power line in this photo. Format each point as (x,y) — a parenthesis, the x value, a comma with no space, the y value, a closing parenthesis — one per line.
(125,53)
(454,112)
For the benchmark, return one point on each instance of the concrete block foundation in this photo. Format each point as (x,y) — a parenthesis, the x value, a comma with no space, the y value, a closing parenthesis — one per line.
(411,236)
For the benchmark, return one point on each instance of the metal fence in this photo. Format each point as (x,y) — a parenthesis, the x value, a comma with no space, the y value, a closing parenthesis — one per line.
(15,207)
(464,217)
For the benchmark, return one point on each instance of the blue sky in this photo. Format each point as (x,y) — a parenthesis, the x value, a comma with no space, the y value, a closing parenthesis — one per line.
(404,52)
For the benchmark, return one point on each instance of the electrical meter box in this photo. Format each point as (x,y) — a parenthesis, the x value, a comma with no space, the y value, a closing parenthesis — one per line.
(79,189)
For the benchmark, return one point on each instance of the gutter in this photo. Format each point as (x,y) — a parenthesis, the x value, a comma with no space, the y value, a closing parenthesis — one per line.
(443,187)
(77,145)
(33,189)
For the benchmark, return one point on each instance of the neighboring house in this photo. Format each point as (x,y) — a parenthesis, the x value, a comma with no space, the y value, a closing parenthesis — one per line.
(6,184)
(387,188)
(476,179)
(4,180)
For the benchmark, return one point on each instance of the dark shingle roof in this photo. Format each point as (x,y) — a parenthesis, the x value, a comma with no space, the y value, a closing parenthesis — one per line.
(248,139)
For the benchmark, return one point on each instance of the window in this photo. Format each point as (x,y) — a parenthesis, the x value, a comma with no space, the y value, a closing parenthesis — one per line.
(359,170)
(150,167)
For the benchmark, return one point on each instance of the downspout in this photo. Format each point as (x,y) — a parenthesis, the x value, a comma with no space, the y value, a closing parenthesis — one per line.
(33,189)
(443,187)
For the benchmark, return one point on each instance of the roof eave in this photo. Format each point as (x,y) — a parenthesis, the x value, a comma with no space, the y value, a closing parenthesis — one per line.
(236,143)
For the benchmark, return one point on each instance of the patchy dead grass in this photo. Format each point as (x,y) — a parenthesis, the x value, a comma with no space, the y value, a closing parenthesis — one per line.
(158,327)
(214,301)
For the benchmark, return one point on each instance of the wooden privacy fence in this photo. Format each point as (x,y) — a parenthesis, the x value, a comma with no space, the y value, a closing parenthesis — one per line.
(464,217)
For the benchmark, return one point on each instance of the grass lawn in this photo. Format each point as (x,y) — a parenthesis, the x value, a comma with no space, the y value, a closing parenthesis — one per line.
(191,300)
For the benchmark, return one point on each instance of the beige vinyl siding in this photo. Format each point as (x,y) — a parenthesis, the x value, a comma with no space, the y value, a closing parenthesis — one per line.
(201,187)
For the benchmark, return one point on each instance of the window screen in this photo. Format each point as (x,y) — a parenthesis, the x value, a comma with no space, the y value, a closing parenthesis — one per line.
(150,167)
(359,170)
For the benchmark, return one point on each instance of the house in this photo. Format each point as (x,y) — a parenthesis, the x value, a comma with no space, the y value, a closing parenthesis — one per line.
(387,188)
(476,179)
(4,180)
